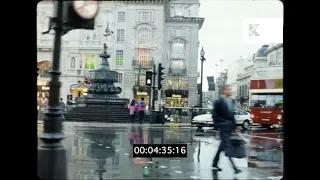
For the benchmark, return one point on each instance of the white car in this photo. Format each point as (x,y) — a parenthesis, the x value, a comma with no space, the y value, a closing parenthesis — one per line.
(242,119)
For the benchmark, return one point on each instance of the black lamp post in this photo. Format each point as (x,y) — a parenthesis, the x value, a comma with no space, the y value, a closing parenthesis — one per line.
(51,153)
(201,81)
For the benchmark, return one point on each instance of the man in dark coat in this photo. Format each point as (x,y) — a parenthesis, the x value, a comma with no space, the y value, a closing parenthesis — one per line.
(223,117)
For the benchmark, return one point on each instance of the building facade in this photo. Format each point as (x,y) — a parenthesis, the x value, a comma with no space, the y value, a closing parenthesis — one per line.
(243,86)
(181,47)
(220,83)
(234,70)
(143,35)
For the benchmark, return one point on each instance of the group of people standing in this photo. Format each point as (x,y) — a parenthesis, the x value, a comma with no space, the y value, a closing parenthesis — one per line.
(137,109)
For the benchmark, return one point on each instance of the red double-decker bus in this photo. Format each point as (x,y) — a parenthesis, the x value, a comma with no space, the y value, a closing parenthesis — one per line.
(266,102)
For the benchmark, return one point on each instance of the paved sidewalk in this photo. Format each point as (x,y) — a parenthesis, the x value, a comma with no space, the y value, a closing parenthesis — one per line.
(172,125)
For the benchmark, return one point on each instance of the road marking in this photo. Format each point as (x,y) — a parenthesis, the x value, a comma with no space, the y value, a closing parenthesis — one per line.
(178,172)
(116,150)
(107,147)
(100,144)
(275,177)
(127,154)
(194,177)
(92,142)
(163,167)
(150,162)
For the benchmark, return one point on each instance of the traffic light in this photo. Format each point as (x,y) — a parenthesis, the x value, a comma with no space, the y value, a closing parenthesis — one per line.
(79,14)
(160,78)
(149,78)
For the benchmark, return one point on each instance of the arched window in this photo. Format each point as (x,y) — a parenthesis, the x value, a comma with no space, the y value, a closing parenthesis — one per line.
(179,11)
(245,90)
(72,63)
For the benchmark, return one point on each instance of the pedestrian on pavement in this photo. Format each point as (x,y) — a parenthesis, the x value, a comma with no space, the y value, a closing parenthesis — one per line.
(132,107)
(45,102)
(223,117)
(63,107)
(141,109)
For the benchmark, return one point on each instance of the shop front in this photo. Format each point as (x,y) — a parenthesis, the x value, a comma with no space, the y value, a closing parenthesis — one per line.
(78,90)
(42,91)
(142,95)
(176,98)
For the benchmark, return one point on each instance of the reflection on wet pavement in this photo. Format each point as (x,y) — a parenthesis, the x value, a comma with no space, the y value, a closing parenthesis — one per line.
(106,153)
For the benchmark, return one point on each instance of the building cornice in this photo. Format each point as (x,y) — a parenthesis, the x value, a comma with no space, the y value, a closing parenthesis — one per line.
(144,23)
(274,48)
(181,19)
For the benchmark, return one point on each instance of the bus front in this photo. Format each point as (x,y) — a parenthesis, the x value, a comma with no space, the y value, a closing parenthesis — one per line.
(266,108)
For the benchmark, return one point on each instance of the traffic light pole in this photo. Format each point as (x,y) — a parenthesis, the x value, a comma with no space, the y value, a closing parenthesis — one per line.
(153,87)
(51,153)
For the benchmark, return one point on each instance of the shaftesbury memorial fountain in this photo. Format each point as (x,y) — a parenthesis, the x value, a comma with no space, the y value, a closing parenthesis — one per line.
(102,102)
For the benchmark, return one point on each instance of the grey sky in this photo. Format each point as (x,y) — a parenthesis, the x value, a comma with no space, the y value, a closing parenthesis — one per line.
(221,33)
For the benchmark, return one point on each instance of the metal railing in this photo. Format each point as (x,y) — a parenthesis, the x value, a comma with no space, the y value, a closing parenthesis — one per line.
(177,71)
(137,64)
(183,114)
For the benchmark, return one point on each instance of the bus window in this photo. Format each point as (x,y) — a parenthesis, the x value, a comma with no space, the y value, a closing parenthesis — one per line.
(274,101)
(258,100)
(266,100)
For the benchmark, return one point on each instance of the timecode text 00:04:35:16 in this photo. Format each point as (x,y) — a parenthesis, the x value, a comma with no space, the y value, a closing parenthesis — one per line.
(159,150)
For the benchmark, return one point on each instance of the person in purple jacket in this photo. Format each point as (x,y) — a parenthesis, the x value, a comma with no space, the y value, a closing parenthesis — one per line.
(141,109)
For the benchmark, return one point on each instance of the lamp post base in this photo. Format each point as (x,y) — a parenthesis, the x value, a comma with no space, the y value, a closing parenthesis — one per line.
(46,157)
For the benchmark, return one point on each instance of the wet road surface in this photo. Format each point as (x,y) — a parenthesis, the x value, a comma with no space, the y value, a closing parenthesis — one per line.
(105,152)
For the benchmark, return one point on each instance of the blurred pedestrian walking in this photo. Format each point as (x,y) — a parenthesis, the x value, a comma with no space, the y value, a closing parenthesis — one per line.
(223,117)
(141,109)
(132,107)
(63,107)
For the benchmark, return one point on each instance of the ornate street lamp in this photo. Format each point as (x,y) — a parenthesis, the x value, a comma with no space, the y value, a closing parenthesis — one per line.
(51,153)
(202,58)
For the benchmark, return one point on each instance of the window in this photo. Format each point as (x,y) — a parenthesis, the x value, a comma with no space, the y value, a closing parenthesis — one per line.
(145,16)
(177,83)
(120,78)
(144,57)
(72,63)
(279,57)
(80,63)
(236,112)
(177,64)
(119,57)
(142,80)
(144,36)
(243,113)
(90,61)
(179,11)
(245,90)
(120,35)
(121,16)
(266,100)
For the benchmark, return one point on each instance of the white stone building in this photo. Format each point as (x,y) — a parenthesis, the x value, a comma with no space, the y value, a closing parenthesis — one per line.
(243,86)
(181,47)
(233,71)
(145,33)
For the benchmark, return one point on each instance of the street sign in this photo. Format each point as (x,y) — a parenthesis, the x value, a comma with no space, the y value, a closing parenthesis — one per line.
(86,9)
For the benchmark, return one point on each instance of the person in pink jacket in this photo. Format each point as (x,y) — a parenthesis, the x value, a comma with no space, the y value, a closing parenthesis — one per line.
(132,107)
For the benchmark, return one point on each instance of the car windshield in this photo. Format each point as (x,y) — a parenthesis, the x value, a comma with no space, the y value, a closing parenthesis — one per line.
(266,100)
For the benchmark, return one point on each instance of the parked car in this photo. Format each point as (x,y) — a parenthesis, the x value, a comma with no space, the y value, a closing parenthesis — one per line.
(242,119)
